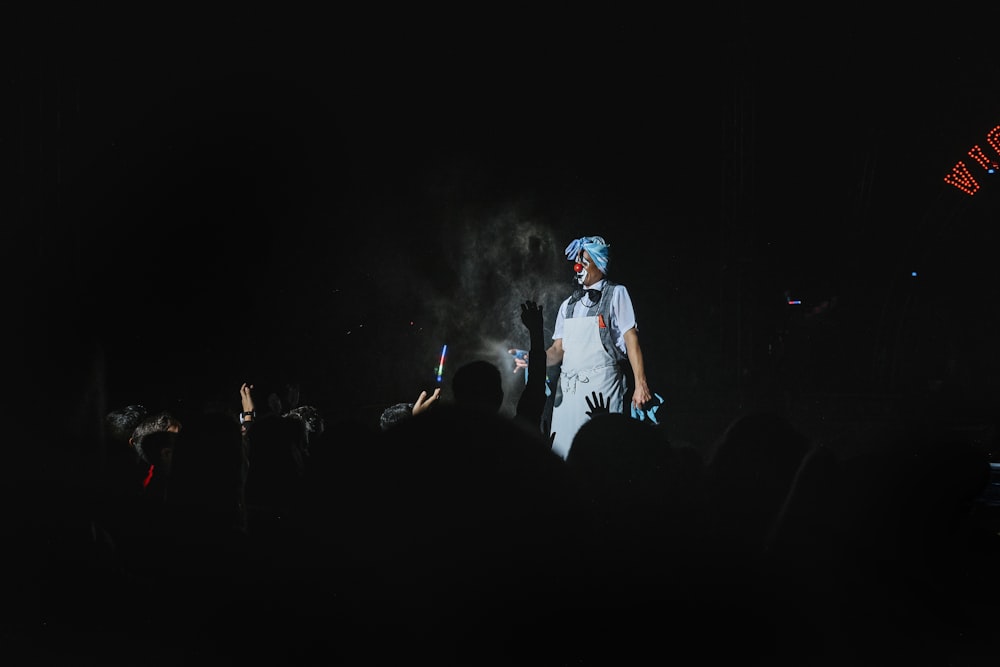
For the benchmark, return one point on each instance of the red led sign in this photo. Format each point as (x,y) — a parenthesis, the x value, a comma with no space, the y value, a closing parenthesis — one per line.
(960,175)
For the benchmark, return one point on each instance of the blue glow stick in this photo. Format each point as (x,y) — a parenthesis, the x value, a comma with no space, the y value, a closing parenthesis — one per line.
(444,350)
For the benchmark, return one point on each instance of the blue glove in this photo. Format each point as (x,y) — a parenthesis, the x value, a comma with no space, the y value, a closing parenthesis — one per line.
(648,413)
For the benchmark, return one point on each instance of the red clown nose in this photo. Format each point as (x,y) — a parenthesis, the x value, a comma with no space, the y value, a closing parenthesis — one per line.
(578,267)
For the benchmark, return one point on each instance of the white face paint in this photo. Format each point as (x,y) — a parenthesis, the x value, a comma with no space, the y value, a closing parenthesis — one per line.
(581,266)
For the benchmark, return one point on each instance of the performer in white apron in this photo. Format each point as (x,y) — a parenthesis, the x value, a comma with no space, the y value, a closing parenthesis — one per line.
(586,367)
(595,341)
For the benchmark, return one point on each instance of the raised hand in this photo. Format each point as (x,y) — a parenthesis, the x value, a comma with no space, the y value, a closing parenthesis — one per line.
(531,316)
(247,415)
(246,397)
(598,406)
(520,358)
(424,401)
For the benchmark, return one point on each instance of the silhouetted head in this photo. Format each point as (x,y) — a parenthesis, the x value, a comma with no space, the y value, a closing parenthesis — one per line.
(759,439)
(311,418)
(156,447)
(478,384)
(620,456)
(161,421)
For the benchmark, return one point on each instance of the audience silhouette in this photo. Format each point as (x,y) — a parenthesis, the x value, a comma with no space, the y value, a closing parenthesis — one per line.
(454,531)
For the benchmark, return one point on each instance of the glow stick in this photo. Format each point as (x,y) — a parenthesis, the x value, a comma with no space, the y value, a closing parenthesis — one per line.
(444,350)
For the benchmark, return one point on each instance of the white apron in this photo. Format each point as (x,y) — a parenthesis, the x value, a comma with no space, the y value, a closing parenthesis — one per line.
(586,368)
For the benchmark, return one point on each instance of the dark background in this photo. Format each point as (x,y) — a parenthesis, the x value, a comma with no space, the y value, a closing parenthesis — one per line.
(202,198)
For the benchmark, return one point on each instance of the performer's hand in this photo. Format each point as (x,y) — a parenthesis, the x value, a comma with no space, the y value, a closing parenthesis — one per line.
(520,358)
(598,406)
(641,396)
(424,401)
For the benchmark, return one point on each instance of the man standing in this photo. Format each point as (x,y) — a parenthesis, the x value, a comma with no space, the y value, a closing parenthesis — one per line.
(595,341)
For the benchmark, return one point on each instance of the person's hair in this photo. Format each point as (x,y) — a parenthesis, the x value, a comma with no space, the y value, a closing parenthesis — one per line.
(121,423)
(394,414)
(161,421)
(310,417)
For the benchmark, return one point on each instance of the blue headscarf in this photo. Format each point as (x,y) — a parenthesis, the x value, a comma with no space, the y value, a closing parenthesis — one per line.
(596,247)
